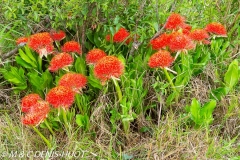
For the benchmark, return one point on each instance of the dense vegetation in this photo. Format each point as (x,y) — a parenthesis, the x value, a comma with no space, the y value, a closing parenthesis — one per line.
(162,81)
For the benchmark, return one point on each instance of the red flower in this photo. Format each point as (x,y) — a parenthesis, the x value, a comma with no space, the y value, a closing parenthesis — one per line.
(59,61)
(75,81)
(161,59)
(60,96)
(179,41)
(160,42)
(37,114)
(94,55)
(107,67)
(57,36)
(174,21)
(121,35)
(199,34)
(41,43)
(72,46)
(22,40)
(29,101)
(216,28)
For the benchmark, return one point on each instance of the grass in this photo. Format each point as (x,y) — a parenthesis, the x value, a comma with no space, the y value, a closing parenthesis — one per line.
(160,133)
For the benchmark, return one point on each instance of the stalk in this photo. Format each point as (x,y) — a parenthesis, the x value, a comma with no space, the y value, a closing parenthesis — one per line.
(43,137)
(169,79)
(126,124)
(49,127)
(171,83)
(118,90)
(65,119)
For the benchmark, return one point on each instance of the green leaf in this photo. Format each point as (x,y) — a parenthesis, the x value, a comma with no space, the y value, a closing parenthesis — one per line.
(94,82)
(47,79)
(90,36)
(97,40)
(36,81)
(80,65)
(232,76)
(195,110)
(219,93)
(29,54)
(26,58)
(21,62)
(207,110)
(15,76)
(82,121)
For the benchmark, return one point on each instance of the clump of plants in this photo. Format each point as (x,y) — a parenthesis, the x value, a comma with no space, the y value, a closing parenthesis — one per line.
(63,80)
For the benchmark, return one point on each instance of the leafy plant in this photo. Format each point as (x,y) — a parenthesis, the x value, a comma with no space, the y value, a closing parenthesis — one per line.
(231,78)
(15,76)
(201,115)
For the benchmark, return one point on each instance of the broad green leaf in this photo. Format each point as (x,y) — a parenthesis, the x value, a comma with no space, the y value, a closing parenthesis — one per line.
(94,82)
(96,39)
(47,79)
(36,80)
(82,121)
(80,65)
(90,36)
(219,93)
(23,63)
(232,76)
(207,110)
(195,110)
(29,54)
(26,58)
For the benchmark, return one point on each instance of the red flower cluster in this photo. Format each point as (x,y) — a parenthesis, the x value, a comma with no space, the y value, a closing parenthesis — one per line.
(108,67)
(179,41)
(60,96)
(175,21)
(160,42)
(37,114)
(22,40)
(41,43)
(35,108)
(59,61)
(94,55)
(75,81)
(161,59)
(121,35)
(29,101)
(199,35)
(216,28)
(57,36)
(72,46)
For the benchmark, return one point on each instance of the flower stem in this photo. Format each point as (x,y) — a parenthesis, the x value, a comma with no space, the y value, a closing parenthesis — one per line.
(126,124)
(65,117)
(169,79)
(171,83)
(42,136)
(49,127)
(118,90)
